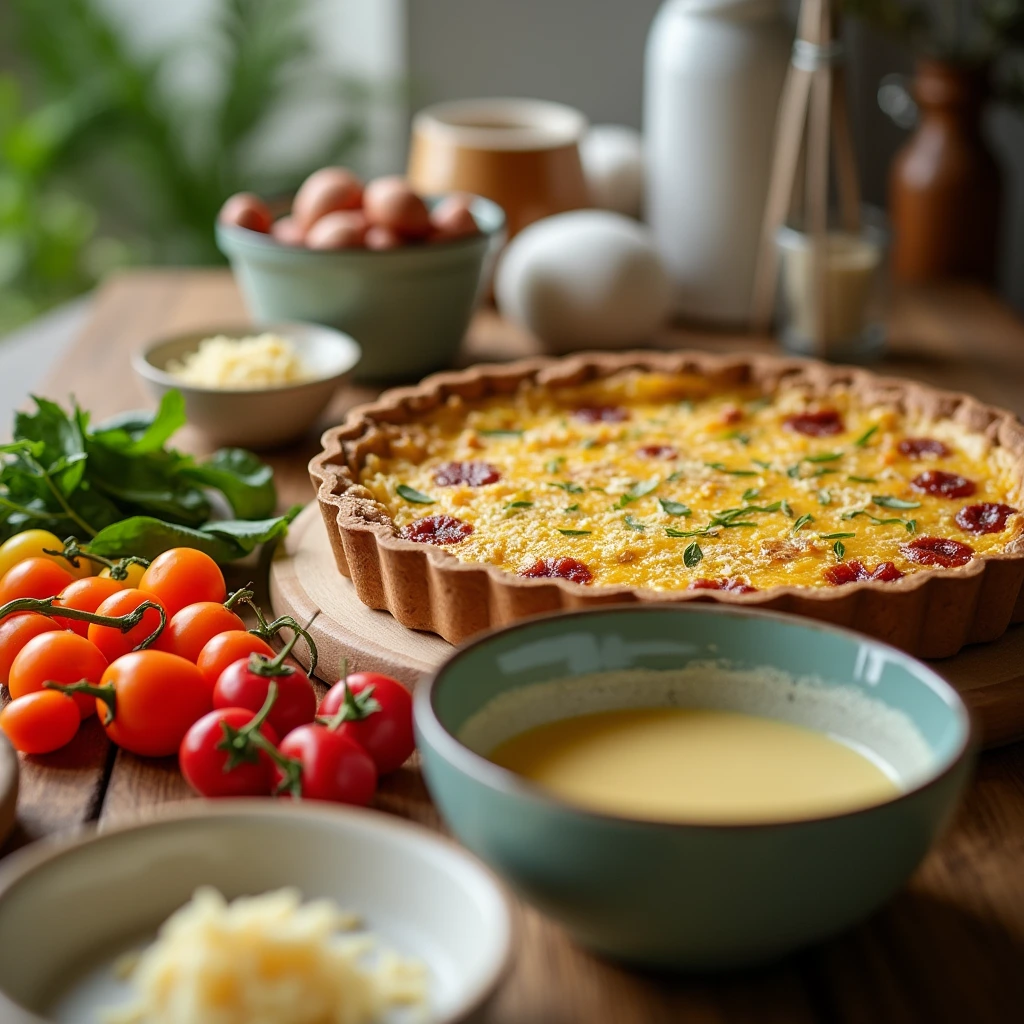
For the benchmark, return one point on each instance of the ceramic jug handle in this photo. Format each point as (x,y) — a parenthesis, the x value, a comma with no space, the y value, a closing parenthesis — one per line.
(896,100)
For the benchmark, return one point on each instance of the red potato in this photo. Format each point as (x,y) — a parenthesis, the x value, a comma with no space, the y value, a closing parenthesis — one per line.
(326,191)
(344,229)
(286,230)
(381,238)
(246,210)
(391,203)
(452,218)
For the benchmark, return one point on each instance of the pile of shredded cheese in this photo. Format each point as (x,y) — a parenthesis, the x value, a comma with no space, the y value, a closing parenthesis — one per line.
(264,360)
(266,959)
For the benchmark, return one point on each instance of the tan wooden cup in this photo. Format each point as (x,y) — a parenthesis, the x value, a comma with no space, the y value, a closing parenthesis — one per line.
(523,154)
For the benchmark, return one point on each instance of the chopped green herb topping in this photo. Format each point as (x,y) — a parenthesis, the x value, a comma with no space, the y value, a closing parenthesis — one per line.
(411,494)
(633,524)
(840,550)
(824,498)
(692,555)
(835,536)
(862,480)
(568,486)
(866,436)
(750,493)
(674,508)
(888,501)
(501,433)
(723,468)
(704,531)
(574,533)
(824,457)
(555,465)
(637,491)
(802,522)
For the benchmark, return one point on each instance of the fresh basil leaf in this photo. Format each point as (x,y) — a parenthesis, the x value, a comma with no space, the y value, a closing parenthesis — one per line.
(674,508)
(638,490)
(50,425)
(411,494)
(633,524)
(141,432)
(245,481)
(840,550)
(888,501)
(703,531)
(692,555)
(574,533)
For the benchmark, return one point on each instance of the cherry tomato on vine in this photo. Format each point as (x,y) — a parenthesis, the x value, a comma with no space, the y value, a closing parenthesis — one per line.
(15,632)
(241,686)
(205,756)
(109,639)
(191,629)
(40,722)
(34,577)
(132,580)
(148,700)
(227,648)
(59,657)
(378,717)
(184,576)
(32,544)
(333,766)
(85,595)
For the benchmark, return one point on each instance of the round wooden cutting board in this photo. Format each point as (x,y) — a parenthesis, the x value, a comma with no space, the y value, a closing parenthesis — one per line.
(304,581)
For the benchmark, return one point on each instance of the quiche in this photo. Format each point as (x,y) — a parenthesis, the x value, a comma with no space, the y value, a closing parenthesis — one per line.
(483,496)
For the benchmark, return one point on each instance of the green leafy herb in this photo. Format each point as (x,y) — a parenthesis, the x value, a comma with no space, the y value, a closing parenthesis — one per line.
(787,509)
(840,550)
(835,536)
(574,533)
(555,465)
(703,531)
(674,508)
(862,480)
(822,472)
(750,494)
(802,522)
(761,463)
(411,494)
(824,498)
(794,471)
(692,555)
(866,436)
(888,501)
(571,508)
(730,518)
(910,525)
(637,491)
(589,442)
(501,433)
(568,486)
(737,435)
(676,476)
(723,468)
(824,457)
(519,504)
(633,524)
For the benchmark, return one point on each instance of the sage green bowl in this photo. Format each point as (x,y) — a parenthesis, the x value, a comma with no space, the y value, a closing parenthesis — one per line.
(408,308)
(695,896)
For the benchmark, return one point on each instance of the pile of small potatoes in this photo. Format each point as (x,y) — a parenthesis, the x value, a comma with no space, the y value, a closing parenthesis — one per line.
(334,210)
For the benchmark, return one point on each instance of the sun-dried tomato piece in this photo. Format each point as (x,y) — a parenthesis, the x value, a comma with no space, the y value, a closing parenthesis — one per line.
(472,474)
(657,451)
(436,530)
(985,517)
(601,414)
(943,484)
(822,423)
(854,572)
(937,551)
(736,586)
(915,447)
(559,568)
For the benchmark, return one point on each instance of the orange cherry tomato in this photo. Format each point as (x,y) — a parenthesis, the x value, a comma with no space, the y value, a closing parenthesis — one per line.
(85,595)
(15,632)
(133,579)
(40,722)
(227,648)
(60,657)
(184,576)
(191,629)
(109,639)
(34,577)
(151,700)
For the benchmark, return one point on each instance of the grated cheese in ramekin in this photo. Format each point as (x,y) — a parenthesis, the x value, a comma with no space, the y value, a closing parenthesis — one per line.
(267,958)
(260,361)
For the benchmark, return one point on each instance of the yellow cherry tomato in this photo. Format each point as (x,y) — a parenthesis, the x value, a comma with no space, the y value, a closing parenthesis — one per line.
(131,582)
(31,544)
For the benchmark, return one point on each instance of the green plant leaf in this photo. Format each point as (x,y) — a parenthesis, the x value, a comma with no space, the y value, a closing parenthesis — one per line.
(722,468)
(888,501)
(703,531)
(638,491)
(574,533)
(141,433)
(633,524)
(568,486)
(408,493)
(802,522)
(824,457)
(674,508)
(862,441)
(245,481)
(840,550)
(692,555)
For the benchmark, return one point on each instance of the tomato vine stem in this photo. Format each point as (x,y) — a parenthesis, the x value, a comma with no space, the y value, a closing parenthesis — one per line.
(47,606)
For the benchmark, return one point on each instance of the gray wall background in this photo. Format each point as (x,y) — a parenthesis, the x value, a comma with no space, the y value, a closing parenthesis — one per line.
(589,53)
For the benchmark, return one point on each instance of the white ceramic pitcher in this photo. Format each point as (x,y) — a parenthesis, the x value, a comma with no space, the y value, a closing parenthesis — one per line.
(713,78)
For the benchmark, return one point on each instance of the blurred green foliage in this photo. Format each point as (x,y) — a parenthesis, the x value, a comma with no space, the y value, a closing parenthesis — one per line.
(103,163)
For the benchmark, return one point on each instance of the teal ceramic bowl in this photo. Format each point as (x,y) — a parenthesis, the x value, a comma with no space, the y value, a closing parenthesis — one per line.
(407,308)
(693,896)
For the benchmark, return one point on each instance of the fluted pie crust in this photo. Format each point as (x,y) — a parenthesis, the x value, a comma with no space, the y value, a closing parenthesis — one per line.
(930,614)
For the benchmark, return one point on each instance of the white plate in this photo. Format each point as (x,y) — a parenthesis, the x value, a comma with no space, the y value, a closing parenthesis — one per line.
(67,911)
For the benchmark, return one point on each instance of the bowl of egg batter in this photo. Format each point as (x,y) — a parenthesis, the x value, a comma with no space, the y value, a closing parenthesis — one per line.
(695,788)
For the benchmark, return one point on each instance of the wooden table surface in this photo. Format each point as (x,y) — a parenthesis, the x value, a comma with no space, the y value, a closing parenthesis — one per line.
(949,948)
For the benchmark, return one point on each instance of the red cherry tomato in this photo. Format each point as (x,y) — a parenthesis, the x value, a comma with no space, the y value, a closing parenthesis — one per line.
(15,632)
(205,753)
(59,657)
(150,700)
(34,577)
(183,576)
(240,687)
(109,639)
(378,717)
(40,722)
(332,766)
(191,629)
(227,648)
(86,596)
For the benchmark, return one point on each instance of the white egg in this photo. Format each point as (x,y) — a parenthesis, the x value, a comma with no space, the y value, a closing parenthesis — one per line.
(613,166)
(586,279)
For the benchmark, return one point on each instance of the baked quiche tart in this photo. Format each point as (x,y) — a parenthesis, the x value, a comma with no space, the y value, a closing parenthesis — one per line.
(483,496)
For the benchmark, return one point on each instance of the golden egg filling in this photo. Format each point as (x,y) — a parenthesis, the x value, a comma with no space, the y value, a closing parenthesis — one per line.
(659,481)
